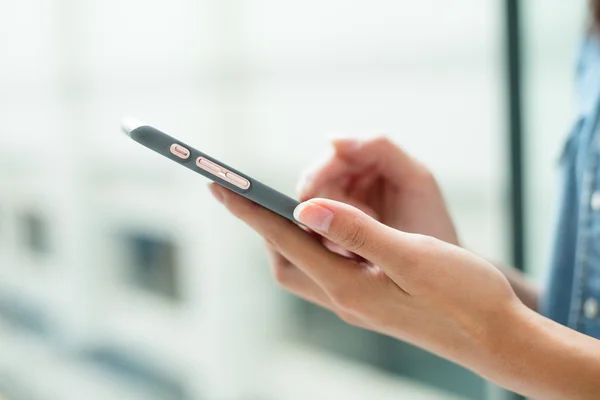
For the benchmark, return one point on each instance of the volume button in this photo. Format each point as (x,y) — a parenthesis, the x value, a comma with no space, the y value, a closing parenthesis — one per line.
(208,165)
(237,180)
(223,173)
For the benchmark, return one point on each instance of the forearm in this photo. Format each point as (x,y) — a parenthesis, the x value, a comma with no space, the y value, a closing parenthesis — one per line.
(539,358)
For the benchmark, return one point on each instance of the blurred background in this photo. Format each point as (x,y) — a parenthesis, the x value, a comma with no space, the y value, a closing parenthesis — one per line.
(120,278)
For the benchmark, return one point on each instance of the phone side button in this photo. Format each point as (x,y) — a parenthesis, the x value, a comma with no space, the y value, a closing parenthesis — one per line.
(180,151)
(237,180)
(208,165)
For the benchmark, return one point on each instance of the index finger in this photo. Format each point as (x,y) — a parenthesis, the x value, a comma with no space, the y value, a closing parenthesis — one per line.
(328,270)
(382,154)
(353,157)
(331,169)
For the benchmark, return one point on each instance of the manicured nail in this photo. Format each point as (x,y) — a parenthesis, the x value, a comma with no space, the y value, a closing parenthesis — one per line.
(314,216)
(217,192)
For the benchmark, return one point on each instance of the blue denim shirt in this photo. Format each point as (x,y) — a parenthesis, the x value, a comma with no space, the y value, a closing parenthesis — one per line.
(572,292)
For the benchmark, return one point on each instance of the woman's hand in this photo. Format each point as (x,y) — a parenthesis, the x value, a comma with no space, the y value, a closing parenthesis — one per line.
(427,292)
(413,287)
(381,179)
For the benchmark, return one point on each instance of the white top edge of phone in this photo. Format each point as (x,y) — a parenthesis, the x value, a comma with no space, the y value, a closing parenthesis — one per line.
(129,124)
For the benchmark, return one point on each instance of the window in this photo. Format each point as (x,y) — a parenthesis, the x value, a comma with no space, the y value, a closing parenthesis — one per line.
(35,235)
(25,315)
(152,264)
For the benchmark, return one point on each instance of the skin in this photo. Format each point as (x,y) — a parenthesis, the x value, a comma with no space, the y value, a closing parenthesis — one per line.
(387,258)
(393,187)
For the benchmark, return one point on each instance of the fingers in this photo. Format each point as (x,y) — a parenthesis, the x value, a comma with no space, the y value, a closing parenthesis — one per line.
(296,281)
(378,156)
(383,154)
(328,270)
(348,285)
(332,169)
(355,231)
(361,187)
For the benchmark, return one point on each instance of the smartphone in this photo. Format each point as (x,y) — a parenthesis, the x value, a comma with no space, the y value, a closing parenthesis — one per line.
(210,167)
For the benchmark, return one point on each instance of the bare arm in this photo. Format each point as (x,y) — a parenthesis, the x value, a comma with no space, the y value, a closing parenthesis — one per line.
(426,292)
(537,357)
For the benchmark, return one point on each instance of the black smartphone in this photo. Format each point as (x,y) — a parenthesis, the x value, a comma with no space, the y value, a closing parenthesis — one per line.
(210,167)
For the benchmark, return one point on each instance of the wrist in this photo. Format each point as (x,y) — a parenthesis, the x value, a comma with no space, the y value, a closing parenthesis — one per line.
(539,358)
(512,323)
(500,345)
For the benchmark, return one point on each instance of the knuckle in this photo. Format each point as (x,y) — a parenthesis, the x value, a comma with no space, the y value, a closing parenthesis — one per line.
(423,178)
(422,248)
(424,241)
(353,235)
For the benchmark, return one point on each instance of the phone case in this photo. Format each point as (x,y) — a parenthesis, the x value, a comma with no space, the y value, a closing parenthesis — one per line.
(258,192)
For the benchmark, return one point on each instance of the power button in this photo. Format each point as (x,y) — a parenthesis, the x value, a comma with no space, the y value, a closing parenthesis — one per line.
(180,151)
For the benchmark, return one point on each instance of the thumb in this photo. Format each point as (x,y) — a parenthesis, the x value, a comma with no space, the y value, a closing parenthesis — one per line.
(354,230)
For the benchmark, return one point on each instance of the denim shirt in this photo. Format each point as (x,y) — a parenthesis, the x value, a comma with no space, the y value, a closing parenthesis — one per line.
(572,292)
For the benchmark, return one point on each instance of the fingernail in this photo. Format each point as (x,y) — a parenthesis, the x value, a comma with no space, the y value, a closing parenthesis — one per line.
(314,216)
(217,192)
(346,144)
